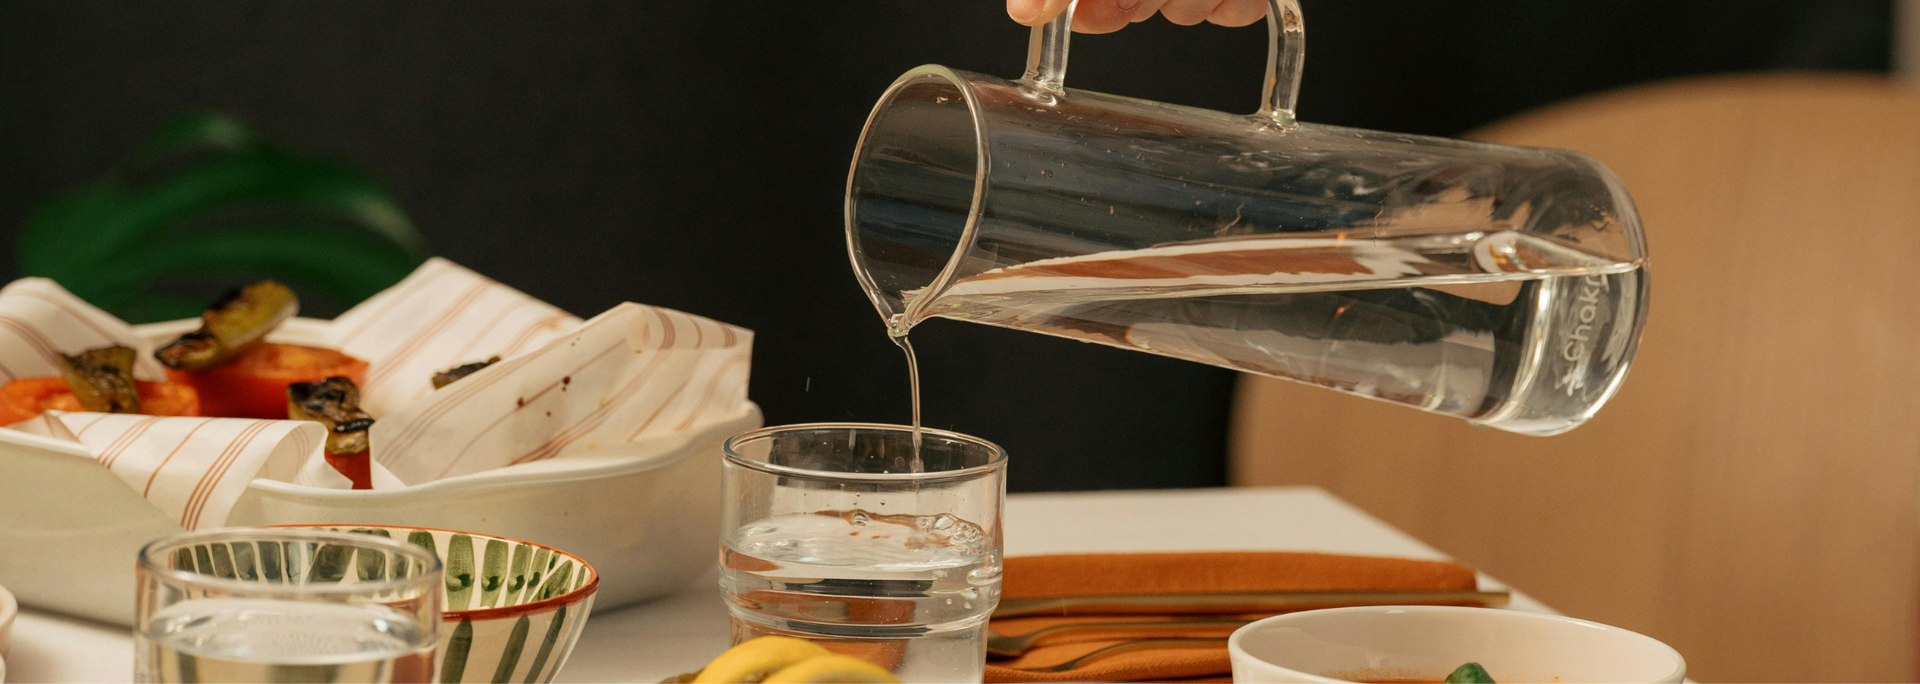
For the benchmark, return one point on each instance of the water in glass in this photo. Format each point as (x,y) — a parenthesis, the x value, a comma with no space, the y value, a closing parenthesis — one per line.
(261,640)
(910,592)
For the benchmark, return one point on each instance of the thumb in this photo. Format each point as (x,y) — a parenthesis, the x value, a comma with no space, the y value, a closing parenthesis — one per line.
(1035,12)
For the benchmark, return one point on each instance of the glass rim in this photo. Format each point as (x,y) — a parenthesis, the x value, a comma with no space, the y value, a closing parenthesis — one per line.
(996,460)
(154,555)
(969,230)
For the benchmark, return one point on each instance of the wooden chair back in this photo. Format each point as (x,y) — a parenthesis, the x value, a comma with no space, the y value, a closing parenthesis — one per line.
(1751,496)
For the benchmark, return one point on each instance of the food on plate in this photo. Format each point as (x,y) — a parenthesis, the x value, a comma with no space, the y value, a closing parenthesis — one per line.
(233,323)
(254,383)
(25,398)
(98,380)
(238,374)
(224,369)
(448,376)
(1470,673)
(102,379)
(335,403)
(777,659)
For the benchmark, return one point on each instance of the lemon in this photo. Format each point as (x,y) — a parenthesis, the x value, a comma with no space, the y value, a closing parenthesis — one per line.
(754,658)
(831,669)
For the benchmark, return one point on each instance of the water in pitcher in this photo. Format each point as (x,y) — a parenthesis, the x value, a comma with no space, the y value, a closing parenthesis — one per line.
(911,593)
(1494,327)
(250,640)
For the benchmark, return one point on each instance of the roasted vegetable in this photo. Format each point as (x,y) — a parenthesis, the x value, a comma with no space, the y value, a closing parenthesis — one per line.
(1470,673)
(234,322)
(335,403)
(448,376)
(102,379)
(25,398)
(254,384)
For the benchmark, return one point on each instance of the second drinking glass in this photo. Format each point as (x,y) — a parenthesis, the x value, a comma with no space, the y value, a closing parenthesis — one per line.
(846,535)
(286,605)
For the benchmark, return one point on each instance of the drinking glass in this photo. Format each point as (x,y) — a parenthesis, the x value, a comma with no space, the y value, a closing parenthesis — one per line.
(285,605)
(849,536)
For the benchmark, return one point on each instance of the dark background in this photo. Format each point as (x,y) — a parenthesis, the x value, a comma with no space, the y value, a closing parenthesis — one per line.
(693,154)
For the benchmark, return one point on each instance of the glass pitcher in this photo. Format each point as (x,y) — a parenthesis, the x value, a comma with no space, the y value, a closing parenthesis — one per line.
(1503,285)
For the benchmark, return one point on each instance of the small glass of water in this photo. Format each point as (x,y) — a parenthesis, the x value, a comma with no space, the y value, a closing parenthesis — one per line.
(285,605)
(857,538)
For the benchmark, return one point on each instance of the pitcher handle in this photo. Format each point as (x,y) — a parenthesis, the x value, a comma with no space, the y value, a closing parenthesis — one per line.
(1286,43)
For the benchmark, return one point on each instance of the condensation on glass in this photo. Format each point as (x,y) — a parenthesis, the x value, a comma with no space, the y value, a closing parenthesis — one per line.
(1503,285)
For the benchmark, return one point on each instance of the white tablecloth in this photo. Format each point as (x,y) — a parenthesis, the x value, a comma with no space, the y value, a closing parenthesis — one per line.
(649,642)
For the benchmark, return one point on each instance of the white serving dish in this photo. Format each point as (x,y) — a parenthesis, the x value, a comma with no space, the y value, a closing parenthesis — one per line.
(646,515)
(1425,643)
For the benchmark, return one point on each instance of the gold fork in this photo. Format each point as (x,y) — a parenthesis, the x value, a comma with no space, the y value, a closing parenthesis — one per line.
(1010,646)
(1123,647)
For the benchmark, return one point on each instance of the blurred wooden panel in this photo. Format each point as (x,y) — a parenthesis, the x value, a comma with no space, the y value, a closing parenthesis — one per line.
(1750,494)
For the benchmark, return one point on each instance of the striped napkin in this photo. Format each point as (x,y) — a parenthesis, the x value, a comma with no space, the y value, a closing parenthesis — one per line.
(564,386)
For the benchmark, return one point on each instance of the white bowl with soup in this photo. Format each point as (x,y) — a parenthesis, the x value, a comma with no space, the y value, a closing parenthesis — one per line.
(1426,643)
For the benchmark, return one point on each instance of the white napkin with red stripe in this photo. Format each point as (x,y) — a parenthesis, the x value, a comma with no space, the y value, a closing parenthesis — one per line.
(563,387)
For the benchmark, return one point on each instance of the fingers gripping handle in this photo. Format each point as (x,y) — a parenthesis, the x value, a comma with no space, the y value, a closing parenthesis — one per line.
(1286,46)
(1047,51)
(1286,35)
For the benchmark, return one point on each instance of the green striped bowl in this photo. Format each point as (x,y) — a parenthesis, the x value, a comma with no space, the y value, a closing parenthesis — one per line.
(513,609)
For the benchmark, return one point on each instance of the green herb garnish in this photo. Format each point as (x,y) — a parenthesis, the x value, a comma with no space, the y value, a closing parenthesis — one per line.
(1470,673)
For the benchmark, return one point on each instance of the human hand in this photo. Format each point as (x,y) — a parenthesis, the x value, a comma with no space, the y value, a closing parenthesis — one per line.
(1107,16)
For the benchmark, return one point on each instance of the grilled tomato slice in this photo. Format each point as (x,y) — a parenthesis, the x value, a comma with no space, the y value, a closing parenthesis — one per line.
(254,383)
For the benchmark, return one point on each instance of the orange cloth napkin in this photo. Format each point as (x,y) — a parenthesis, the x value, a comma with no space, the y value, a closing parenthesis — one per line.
(1178,573)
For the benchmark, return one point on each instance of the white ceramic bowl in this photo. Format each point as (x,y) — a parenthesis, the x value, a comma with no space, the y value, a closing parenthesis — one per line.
(1425,643)
(647,516)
